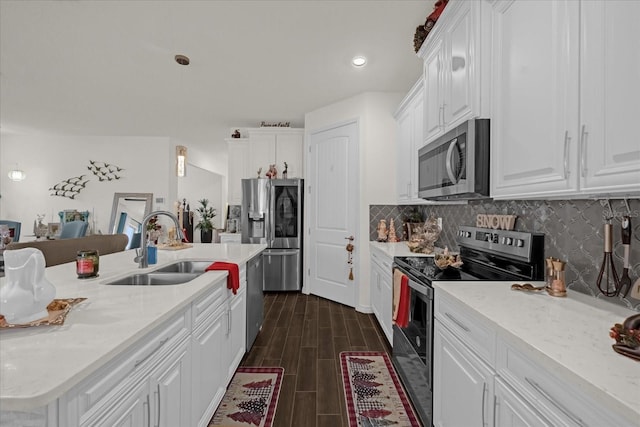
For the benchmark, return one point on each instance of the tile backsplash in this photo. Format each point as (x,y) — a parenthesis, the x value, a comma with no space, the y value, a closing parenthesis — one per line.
(573,231)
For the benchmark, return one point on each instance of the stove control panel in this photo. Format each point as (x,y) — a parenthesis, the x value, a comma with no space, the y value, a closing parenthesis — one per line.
(512,243)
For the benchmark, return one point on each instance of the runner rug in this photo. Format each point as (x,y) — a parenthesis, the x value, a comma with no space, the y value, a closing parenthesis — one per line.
(251,398)
(373,392)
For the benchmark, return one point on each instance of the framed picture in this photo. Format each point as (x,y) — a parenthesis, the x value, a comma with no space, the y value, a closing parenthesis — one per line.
(73,215)
(53,229)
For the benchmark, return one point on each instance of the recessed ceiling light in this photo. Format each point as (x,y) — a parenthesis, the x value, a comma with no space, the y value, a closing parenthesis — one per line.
(182,59)
(358,61)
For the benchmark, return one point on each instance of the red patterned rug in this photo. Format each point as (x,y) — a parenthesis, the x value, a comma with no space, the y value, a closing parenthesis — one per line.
(373,392)
(251,398)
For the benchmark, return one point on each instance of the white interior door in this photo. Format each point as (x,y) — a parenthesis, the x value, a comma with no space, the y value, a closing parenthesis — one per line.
(332,200)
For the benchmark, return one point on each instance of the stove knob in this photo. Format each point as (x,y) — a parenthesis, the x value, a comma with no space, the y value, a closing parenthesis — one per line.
(468,234)
(509,241)
(504,241)
(519,243)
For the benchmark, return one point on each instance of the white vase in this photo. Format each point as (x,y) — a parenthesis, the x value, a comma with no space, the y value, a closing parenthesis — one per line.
(26,292)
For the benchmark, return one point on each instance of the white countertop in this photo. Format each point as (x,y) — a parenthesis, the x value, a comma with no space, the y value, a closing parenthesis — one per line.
(37,365)
(569,336)
(396,249)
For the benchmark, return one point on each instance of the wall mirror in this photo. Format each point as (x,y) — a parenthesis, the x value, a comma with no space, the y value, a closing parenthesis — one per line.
(127,213)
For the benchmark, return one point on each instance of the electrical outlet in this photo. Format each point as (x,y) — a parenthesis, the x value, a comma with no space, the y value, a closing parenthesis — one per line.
(440,223)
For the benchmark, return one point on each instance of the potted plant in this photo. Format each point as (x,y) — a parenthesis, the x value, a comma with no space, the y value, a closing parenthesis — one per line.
(206,213)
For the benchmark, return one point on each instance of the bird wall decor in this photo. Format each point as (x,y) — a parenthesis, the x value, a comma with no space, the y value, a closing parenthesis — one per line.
(69,187)
(105,171)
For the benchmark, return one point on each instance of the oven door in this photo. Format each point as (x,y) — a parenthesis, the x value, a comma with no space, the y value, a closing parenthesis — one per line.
(413,350)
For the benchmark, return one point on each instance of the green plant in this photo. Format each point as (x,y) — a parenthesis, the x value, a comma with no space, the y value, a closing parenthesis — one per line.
(206,213)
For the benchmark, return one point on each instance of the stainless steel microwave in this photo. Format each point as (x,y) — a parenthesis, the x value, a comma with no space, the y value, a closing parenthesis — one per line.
(456,165)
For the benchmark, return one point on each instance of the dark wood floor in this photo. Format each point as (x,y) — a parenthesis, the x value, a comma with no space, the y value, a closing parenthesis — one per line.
(305,335)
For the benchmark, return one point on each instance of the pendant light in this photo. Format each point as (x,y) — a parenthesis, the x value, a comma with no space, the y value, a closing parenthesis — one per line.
(17,174)
(181,151)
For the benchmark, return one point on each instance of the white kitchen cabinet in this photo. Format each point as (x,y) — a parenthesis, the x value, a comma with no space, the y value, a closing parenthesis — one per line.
(410,120)
(562,109)
(237,330)
(382,291)
(275,146)
(170,388)
(238,168)
(462,383)
(609,90)
(512,410)
(218,341)
(456,60)
(133,410)
(492,375)
(209,371)
(176,376)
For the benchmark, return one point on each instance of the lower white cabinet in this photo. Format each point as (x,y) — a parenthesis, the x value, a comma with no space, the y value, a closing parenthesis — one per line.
(382,291)
(209,373)
(512,410)
(462,383)
(176,376)
(482,378)
(132,410)
(170,389)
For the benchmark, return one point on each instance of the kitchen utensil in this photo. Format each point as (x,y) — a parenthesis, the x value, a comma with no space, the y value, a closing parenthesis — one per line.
(625,280)
(635,290)
(527,287)
(608,281)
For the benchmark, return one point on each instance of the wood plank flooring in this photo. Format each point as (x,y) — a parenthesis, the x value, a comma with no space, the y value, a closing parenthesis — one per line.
(305,335)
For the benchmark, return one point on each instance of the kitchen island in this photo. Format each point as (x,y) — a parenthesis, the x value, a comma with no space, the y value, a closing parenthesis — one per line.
(40,366)
(544,360)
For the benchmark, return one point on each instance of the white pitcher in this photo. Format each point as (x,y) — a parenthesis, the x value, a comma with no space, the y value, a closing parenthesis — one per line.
(26,292)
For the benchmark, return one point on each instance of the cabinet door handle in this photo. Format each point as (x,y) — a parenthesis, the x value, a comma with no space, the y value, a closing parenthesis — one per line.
(484,395)
(554,402)
(457,322)
(495,409)
(147,404)
(141,361)
(567,141)
(583,151)
(157,393)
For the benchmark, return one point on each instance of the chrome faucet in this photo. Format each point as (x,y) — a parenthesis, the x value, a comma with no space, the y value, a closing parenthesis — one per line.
(141,257)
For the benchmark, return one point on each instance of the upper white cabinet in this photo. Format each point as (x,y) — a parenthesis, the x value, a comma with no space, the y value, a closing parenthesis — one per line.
(275,146)
(410,119)
(456,60)
(562,108)
(238,159)
(609,90)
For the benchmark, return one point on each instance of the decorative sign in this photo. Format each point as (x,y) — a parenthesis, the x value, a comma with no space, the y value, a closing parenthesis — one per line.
(501,222)
(275,125)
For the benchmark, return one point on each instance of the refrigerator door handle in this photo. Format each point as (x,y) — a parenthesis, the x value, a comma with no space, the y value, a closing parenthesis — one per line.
(284,252)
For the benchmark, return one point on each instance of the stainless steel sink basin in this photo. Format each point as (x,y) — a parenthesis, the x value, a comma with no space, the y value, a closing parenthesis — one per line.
(155,279)
(185,267)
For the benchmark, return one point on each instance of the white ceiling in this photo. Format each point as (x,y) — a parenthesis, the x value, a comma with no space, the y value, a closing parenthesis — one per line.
(107,68)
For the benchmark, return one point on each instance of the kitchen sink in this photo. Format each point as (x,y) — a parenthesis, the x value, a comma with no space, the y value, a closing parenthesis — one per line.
(155,278)
(178,273)
(185,267)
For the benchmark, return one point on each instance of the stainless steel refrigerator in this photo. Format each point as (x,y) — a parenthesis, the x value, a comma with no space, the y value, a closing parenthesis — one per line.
(272,211)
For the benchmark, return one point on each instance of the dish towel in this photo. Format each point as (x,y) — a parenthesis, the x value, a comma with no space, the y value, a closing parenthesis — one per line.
(233,279)
(400,299)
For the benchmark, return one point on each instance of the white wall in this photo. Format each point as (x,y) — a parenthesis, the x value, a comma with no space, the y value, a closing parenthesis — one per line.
(202,184)
(148,164)
(378,134)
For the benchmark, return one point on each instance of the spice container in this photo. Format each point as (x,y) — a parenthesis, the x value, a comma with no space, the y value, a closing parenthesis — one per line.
(558,285)
(87,264)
